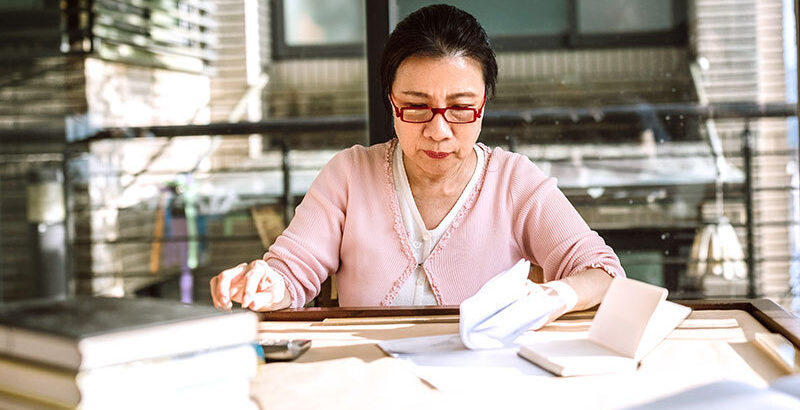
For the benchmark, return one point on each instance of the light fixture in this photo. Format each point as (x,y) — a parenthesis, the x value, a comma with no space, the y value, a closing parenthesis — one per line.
(716,249)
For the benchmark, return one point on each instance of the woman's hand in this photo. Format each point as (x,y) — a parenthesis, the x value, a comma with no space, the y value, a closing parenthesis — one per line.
(255,286)
(553,293)
(580,291)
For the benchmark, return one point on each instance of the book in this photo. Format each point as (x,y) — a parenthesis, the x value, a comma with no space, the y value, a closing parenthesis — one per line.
(13,402)
(779,349)
(233,393)
(633,318)
(89,332)
(101,387)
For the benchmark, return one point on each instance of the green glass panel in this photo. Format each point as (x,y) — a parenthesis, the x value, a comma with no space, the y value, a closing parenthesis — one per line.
(21,5)
(323,22)
(506,18)
(644,266)
(623,16)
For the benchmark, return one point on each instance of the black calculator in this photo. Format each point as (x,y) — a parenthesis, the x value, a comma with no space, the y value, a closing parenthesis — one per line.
(282,350)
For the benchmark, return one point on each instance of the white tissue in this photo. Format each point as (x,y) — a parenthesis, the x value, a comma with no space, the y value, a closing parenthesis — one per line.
(503,309)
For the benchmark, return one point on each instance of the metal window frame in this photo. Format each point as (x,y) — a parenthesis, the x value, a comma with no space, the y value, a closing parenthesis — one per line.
(572,39)
(52,29)
(282,51)
(678,35)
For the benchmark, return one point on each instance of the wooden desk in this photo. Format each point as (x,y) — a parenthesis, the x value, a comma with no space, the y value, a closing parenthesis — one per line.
(345,368)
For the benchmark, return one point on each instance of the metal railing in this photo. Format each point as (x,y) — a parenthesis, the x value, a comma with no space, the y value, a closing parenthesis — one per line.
(280,133)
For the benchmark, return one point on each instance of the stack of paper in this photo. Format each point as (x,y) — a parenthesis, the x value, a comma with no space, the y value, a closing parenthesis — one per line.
(107,353)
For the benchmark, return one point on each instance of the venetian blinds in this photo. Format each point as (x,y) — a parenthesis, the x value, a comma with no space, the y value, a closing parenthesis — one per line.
(171,34)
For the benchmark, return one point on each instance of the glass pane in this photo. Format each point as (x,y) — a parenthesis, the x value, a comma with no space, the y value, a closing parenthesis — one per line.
(611,113)
(21,5)
(644,266)
(515,18)
(322,22)
(623,16)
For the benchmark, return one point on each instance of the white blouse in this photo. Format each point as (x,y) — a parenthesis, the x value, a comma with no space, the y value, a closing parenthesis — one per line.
(417,289)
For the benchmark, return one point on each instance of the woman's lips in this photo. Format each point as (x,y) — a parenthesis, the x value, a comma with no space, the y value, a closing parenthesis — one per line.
(437,155)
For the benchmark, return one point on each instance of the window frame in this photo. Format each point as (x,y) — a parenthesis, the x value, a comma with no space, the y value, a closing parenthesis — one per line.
(282,51)
(678,35)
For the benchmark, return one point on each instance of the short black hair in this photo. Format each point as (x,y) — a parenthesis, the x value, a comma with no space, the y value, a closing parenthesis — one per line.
(439,30)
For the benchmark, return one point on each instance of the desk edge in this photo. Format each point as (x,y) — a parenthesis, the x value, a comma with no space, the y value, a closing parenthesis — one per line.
(771,315)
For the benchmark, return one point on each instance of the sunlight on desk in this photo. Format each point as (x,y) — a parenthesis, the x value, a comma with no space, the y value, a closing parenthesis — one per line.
(345,369)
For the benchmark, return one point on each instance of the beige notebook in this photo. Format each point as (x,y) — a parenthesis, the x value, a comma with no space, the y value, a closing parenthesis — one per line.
(781,350)
(633,318)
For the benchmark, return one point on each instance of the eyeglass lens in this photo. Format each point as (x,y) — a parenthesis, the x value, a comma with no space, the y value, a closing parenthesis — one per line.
(426,114)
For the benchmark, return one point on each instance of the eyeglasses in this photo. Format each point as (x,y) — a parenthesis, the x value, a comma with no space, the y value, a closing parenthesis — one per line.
(453,115)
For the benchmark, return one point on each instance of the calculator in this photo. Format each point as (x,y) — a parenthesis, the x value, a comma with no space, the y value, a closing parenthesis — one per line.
(282,350)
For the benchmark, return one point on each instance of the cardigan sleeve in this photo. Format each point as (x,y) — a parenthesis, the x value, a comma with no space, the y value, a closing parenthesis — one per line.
(550,231)
(308,249)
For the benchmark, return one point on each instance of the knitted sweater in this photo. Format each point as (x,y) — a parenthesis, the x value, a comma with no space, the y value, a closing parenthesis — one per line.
(349,224)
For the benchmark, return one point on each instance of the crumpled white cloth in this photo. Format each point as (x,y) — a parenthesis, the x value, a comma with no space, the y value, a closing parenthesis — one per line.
(505,308)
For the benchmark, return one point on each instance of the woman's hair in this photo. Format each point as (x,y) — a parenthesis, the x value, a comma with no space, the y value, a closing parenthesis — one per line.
(439,30)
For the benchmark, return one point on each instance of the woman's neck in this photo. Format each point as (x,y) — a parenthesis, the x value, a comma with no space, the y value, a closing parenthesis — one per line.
(448,184)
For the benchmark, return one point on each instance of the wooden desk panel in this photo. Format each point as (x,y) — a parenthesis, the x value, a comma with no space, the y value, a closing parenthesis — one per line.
(345,368)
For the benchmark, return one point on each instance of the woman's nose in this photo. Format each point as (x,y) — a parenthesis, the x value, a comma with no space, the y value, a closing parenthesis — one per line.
(438,129)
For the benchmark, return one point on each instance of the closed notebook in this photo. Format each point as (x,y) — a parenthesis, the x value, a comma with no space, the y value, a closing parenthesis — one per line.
(102,387)
(86,332)
(633,318)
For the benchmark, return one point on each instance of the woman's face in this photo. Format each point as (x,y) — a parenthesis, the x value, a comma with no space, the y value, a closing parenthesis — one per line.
(437,147)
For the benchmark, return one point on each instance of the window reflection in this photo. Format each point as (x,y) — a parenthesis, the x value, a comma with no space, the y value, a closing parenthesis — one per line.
(624,16)
(602,94)
(514,18)
(323,22)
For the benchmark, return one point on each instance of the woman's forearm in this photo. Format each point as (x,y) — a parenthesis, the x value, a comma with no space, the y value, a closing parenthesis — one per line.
(582,290)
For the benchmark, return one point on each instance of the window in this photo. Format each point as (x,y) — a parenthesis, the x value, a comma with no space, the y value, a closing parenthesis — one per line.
(335,28)
(573,23)
(624,16)
(318,28)
(33,28)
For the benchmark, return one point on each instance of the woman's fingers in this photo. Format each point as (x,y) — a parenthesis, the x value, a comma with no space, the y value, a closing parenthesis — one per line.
(214,292)
(272,299)
(222,284)
(532,287)
(256,271)
(263,301)
(237,288)
(270,293)
(225,279)
(255,285)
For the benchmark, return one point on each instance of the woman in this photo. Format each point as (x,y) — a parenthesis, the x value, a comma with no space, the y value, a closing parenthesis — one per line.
(430,216)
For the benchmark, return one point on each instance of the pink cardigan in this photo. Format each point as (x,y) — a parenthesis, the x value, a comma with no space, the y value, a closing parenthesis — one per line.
(349,224)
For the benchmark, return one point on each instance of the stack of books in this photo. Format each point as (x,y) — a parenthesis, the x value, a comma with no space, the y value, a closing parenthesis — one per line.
(111,353)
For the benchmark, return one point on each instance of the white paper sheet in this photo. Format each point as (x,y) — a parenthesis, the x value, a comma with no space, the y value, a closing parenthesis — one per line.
(484,353)
(445,363)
